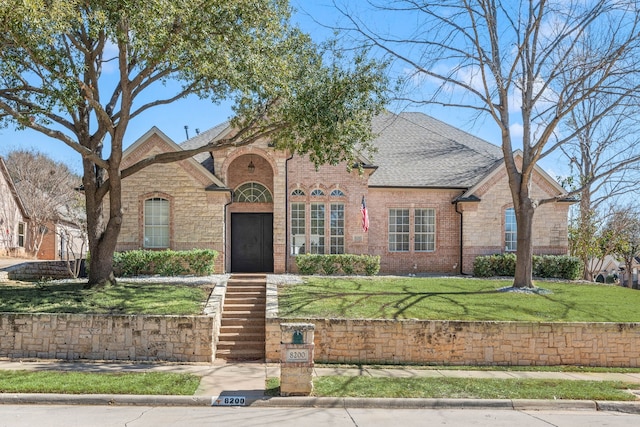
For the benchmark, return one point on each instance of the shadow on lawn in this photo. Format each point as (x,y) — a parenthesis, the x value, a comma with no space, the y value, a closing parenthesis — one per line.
(404,301)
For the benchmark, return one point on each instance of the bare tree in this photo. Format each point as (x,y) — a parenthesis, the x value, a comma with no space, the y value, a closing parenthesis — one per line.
(624,230)
(46,188)
(502,58)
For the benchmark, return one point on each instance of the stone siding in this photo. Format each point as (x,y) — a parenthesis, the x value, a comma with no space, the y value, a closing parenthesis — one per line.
(467,343)
(106,337)
(196,215)
(484,228)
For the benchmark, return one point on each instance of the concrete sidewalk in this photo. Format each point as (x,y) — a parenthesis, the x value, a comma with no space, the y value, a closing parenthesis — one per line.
(247,380)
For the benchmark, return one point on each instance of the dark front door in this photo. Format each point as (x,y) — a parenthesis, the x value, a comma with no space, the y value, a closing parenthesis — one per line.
(252,242)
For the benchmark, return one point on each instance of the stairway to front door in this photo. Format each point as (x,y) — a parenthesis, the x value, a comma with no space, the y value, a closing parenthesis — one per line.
(242,327)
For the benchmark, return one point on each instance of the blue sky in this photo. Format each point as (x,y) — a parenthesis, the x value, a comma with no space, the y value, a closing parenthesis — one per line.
(313,16)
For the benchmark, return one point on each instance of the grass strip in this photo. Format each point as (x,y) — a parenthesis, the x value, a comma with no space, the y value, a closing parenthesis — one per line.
(123,298)
(147,383)
(557,368)
(341,386)
(454,298)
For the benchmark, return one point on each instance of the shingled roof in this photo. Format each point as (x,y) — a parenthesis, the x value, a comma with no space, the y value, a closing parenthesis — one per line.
(416,150)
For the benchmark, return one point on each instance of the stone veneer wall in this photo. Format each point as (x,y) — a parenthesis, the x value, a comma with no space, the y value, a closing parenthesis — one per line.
(36,270)
(107,337)
(463,343)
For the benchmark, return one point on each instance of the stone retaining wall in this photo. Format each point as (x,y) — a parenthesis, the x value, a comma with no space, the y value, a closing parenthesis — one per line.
(107,337)
(468,343)
(36,270)
(462,343)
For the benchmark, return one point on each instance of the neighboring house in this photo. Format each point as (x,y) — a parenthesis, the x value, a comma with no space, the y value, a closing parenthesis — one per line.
(13,217)
(64,238)
(436,196)
(602,268)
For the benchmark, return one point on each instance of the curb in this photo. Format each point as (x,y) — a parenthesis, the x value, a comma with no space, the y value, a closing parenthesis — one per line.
(322,402)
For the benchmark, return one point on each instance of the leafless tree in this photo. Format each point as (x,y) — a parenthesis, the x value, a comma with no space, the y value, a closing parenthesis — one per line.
(518,62)
(623,228)
(46,188)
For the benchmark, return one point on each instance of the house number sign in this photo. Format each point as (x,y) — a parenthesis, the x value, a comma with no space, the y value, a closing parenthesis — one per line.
(297,355)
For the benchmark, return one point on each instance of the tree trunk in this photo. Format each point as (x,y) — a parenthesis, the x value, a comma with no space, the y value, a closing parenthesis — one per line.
(523,277)
(102,237)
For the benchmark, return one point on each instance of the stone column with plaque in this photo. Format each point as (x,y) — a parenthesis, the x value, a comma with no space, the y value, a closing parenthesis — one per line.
(296,360)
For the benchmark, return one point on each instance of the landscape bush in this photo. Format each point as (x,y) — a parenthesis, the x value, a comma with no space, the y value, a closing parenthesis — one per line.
(199,262)
(347,264)
(544,266)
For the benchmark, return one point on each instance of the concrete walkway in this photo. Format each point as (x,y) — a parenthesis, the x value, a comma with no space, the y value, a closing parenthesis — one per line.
(247,380)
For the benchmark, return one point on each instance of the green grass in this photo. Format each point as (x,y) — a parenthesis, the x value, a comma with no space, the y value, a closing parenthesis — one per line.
(123,298)
(456,299)
(556,368)
(151,383)
(340,386)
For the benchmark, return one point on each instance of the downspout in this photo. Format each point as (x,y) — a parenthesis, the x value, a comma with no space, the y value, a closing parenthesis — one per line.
(286,214)
(461,238)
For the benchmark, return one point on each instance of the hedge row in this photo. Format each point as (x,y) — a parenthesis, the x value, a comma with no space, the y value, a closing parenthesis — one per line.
(545,266)
(199,262)
(338,264)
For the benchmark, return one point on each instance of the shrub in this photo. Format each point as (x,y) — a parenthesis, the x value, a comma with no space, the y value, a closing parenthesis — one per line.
(166,263)
(546,266)
(348,264)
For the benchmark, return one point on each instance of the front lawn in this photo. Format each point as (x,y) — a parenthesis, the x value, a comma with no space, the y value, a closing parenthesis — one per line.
(153,383)
(455,299)
(123,298)
(465,388)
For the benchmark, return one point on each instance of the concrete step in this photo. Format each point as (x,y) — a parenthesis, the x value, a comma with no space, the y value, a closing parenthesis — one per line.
(240,355)
(256,307)
(242,314)
(250,329)
(242,321)
(245,336)
(241,345)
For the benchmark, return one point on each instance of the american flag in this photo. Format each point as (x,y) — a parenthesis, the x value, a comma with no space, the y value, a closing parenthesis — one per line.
(365,216)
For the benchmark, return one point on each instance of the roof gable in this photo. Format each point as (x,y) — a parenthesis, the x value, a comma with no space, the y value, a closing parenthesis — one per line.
(551,185)
(12,188)
(141,148)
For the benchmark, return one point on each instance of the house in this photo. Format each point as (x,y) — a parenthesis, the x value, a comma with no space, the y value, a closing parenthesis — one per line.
(602,268)
(13,217)
(436,197)
(64,238)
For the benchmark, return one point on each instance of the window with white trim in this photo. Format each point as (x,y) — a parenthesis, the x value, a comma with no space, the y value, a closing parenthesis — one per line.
(510,230)
(424,230)
(156,223)
(252,192)
(317,228)
(317,193)
(398,230)
(298,228)
(337,228)
(21,234)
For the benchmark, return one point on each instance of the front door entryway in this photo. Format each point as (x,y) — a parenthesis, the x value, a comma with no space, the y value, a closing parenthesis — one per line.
(252,242)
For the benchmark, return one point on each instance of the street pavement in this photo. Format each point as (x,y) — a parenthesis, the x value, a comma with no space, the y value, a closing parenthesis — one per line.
(247,381)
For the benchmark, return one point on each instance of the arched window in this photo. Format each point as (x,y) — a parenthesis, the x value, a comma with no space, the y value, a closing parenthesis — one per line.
(297,192)
(337,193)
(252,192)
(156,223)
(317,193)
